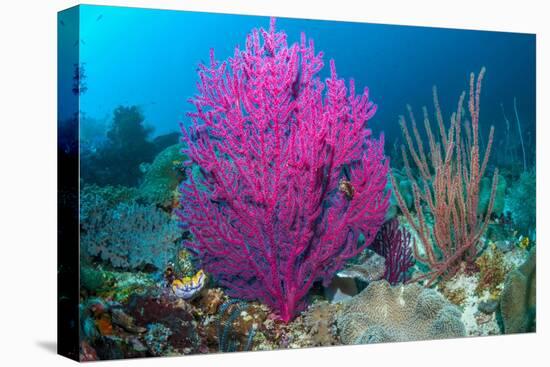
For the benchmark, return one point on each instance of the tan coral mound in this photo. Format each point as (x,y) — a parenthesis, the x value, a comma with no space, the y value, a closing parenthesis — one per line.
(382,313)
(320,322)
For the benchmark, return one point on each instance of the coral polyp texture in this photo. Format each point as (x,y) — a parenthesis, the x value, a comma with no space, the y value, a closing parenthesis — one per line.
(290,174)
(382,313)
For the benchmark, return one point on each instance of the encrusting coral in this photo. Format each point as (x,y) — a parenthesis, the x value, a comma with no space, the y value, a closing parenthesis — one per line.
(382,313)
(492,271)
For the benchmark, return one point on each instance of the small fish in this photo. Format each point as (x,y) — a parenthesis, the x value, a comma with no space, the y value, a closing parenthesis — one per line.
(347,188)
(62,23)
(189,287)
(99,18)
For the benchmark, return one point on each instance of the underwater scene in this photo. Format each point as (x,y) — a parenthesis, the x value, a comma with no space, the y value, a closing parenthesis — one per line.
(249,183)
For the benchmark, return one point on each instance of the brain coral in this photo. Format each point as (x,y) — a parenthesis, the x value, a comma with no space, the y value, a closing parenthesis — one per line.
(382,313)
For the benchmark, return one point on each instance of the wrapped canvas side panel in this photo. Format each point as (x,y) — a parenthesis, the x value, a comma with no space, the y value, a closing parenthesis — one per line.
(68,184)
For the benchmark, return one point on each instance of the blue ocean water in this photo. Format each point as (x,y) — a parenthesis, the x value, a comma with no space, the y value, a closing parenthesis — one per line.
(149,58)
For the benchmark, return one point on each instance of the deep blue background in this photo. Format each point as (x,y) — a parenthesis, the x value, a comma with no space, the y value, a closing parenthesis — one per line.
(149,58)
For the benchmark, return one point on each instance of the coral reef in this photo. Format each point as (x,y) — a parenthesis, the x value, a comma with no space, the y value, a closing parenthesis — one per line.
(457,296)
(237,324)
(521,203)
(156,338)
(94,199)
(129,235)
(117,161)
(405,190)
(290,175)
(382,313)
(94,280)
(176,315)
(122,285)
(485,195)
(394,244)
(367,267)
(461,290)
(492,271)
(518,298)
(211,300)
(448,190)
(320,323)
(160,182)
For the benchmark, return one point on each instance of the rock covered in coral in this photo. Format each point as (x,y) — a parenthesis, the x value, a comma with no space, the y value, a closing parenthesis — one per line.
(211,300)
(518,298)
(236,325)
(368,267)
(93,280)
(485,195)
(130,235)
(120,318)
(122,285)
(382,313)
(488,306)
(162,177)
(320,322)
(521,202)
(157,338)
(492,271)
(94,198)
(176,315)
(461,290)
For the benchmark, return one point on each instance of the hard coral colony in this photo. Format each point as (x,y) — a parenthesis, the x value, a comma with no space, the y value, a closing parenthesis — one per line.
(275,149)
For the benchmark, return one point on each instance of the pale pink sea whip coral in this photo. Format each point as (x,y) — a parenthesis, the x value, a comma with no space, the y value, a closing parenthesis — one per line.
(290,175)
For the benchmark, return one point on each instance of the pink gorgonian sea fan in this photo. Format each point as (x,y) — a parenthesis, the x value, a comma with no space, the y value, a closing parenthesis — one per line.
(289,173)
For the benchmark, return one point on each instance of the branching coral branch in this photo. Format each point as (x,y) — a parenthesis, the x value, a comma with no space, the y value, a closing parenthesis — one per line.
(290,174)
(447,189)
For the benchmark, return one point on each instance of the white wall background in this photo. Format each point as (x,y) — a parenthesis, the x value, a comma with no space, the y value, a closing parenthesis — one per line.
(28,180)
